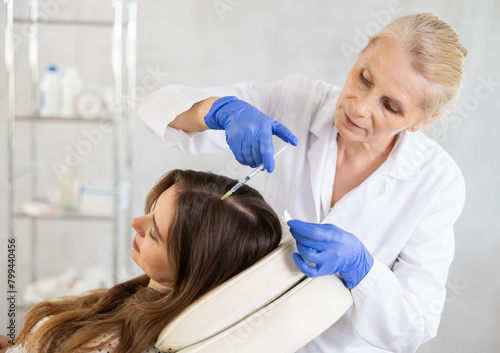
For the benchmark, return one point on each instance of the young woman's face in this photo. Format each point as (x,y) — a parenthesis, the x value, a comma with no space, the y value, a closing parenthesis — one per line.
(149,248)
(382,95)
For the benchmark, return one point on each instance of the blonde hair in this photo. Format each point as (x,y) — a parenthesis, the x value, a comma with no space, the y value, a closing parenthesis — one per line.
(435,52)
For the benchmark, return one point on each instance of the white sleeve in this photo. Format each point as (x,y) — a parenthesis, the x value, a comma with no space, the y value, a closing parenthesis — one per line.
(399,309)
(161,107)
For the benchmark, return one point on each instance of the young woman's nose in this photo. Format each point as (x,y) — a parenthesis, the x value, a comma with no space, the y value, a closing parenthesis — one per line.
(139,225)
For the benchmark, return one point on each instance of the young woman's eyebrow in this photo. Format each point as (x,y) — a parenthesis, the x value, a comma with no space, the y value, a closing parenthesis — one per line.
(155,226)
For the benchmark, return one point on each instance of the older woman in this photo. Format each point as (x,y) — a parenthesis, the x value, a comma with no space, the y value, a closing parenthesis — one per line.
(385,194)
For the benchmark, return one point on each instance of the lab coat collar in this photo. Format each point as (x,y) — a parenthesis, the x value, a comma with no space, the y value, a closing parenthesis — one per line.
(374,186)
(322,159)
(324,118)
(406,156)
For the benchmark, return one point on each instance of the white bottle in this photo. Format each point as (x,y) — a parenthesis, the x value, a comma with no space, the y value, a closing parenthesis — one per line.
(49,92)
(71,87)
(71,186)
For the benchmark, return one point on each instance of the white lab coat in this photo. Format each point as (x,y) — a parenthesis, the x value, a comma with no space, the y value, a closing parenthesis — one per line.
(403,213)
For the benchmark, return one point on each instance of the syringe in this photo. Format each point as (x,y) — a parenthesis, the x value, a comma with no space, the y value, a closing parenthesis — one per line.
(250,176)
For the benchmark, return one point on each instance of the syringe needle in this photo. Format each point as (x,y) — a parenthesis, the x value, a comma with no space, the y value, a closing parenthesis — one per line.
(251,175)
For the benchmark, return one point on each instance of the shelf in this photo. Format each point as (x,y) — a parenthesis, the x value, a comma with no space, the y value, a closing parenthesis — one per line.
(122,50)
(56,119)
(109,24)
(68,216)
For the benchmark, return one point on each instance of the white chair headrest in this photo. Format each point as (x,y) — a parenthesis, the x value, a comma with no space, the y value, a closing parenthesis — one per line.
(272,284)
(287,324)
(233,301)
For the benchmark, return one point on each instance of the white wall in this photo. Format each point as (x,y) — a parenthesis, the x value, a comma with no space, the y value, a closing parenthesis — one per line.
(190,42)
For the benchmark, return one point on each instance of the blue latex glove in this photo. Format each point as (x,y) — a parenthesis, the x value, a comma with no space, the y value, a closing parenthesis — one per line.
(332,250)
(248,131)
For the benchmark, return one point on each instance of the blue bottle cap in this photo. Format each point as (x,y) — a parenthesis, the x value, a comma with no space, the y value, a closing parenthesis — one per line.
(52,68)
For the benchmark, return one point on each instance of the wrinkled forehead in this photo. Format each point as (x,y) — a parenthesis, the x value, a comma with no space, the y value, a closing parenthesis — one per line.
(393,73)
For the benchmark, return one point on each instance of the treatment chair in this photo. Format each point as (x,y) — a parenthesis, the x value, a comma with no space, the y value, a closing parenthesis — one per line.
(269,307)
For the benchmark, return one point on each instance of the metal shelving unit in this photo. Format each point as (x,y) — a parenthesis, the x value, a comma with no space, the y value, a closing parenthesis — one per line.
(123,63)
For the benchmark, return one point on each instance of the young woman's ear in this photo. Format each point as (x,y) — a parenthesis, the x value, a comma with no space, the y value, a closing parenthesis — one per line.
(425,122)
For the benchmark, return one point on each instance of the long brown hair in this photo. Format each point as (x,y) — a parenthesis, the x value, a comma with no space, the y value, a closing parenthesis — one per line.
(210,240)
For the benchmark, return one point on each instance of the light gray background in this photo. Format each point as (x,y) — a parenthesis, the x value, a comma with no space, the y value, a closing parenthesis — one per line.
(195,43)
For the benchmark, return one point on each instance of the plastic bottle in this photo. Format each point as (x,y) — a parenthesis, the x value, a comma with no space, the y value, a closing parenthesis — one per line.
(49,92)
(71,185)
(71,87)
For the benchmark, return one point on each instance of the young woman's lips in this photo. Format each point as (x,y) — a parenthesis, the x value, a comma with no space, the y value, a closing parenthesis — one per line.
(350,123)
(134,245)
